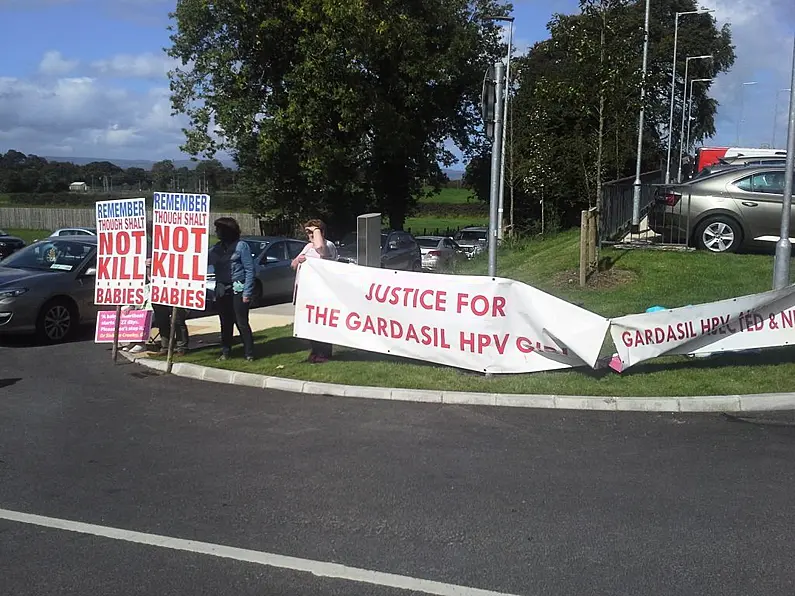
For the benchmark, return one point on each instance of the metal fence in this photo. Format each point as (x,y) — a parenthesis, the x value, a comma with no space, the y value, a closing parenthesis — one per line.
(664,215)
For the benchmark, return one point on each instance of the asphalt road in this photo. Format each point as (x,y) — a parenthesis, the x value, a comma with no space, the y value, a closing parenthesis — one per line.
(509,500)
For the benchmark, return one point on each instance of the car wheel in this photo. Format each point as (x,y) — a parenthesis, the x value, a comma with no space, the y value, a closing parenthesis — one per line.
(719,233)
(57,321)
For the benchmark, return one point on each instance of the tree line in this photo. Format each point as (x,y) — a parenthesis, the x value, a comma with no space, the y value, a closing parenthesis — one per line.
(336,109)
(31,174)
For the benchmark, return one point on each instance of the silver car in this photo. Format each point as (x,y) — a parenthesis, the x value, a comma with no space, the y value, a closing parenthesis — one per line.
(722,212)
(74,232)
(47,288)
(439,253)
(472,240)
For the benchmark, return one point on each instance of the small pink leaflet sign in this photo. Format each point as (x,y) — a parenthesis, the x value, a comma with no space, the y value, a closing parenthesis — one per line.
(134,327)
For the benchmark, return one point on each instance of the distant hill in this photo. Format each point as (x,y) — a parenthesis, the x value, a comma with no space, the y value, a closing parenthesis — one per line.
(147,164)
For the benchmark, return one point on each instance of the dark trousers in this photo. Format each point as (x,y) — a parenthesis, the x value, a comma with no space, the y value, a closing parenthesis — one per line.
(233,311)
(163,322)
(320,348)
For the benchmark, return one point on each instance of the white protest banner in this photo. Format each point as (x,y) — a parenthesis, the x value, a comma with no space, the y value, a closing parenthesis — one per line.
(121,252)
(179,249)
(476,323)
(757,321)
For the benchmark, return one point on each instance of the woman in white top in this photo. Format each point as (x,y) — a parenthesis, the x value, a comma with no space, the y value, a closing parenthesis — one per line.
(317,248)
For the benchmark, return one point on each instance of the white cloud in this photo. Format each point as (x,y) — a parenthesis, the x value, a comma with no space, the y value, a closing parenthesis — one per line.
(143,66)
(762,33)
(84,117)
(53,63)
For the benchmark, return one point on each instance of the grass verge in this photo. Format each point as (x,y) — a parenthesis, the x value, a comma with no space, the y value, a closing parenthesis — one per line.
(452,196)
(420,226)
(27,235)
(635,280)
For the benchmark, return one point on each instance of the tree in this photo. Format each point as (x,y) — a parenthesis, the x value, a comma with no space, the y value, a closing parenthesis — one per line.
(333,107)
(163,175)
(579,95)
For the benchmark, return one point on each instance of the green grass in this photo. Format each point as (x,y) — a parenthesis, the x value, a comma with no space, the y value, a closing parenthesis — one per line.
(430,224)
(27,235)
(452,196)
(655,277)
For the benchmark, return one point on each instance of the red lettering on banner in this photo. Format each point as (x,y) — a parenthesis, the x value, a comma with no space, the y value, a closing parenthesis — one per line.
(119,296)
(787,318)
(407,297)
(480,305)
(175,266)
(193,299)
(105,243)
(322,316)
(102,268)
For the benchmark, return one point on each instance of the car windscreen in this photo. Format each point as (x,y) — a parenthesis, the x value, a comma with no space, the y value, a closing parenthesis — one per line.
(50,255)
(428,242)
(470,236)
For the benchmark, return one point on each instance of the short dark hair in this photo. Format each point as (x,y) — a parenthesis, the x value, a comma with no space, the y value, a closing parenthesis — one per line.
(228,229)
(316,223)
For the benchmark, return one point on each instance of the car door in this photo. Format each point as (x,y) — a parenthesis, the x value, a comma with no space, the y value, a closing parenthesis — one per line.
(760,197)
(391,256)
(276,276)
(82,291)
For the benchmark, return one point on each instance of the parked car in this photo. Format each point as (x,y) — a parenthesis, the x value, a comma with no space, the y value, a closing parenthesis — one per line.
(47,288)
(276,278)
(722,212)
(472,240)
(74,232)
(9,244)
(439,253)
(399,250)
(741,161)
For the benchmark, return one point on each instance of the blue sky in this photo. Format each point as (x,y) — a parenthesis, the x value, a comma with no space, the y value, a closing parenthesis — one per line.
(87,78)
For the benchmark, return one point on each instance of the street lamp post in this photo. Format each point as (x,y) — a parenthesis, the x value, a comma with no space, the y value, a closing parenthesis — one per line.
(673,89)
(690,110)
(783,248)
(775,116)
(684,110)
(742,102)
(501,202)
(639,156)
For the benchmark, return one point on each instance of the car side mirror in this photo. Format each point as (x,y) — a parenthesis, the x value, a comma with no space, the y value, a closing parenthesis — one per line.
(91,272)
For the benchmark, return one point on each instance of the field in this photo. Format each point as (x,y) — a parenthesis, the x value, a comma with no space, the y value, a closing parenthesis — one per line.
(452,196)
(28,235)
(635,281)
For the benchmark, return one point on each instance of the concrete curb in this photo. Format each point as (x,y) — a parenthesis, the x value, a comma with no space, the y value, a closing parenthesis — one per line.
(708,403)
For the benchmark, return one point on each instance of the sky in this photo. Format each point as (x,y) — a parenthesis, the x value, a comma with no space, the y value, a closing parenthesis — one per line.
(88,78)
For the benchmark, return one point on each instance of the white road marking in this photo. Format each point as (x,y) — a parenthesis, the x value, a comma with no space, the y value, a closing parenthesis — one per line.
(317,568)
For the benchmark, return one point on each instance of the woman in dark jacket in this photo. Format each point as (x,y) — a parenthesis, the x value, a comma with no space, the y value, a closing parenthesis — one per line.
(234,283)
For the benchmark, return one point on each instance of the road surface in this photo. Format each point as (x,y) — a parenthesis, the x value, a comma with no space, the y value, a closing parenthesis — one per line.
(433,498)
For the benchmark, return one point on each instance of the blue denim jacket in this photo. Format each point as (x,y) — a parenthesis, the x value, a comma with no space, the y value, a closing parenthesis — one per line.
(233,265)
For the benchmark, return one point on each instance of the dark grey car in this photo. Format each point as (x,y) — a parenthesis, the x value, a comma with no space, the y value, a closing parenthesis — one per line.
(399,251)
(47,288)
(9,244)
(722,212)
(276,278)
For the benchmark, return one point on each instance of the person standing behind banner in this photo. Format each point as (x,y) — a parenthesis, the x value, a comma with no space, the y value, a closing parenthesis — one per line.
(234,284)
(318,248)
